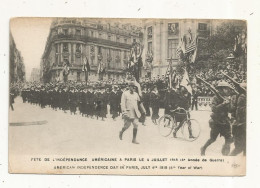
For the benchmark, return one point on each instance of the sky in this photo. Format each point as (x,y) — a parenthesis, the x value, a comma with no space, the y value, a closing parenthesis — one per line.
(30,35)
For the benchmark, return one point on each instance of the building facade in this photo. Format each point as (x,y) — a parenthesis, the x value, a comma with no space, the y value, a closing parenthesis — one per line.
(73,40)
(35,75)
(17,68)
(162,37)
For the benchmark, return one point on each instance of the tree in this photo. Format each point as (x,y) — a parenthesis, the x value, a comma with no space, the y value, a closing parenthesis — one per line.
(217,47)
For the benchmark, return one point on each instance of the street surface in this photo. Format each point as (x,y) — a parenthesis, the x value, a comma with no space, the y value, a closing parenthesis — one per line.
(66,134)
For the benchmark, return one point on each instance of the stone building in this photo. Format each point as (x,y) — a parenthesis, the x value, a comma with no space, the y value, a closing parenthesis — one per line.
(162,37)
(73,40)
(17,68)
(35,75)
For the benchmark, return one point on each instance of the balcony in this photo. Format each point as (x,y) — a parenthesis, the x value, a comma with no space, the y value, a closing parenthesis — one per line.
(86,39)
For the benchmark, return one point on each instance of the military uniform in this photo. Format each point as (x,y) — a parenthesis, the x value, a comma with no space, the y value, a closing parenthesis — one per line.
(239,126)
(131,113)
(114,102)
(219,124)
(155,105)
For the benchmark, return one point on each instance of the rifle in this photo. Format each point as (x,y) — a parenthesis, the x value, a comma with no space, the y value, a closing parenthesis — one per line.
(236,84)
(212,88)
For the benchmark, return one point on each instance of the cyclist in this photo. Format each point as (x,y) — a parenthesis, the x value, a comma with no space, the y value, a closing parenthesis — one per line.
(184,101)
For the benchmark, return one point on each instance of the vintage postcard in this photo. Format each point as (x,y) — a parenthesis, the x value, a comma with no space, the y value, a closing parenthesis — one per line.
(128,96)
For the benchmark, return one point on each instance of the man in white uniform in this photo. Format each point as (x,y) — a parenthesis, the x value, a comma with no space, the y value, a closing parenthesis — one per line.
(130,111)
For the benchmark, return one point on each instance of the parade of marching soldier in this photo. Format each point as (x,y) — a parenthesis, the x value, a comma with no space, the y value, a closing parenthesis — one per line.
(128,86)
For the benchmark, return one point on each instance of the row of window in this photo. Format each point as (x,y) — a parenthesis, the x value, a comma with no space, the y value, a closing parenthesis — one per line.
(96,34)
(173,44)
(173,29)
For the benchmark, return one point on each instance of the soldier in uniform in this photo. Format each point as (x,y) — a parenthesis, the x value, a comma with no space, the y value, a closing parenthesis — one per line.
(72,96)
(91,97)
(183,101)
(219,122)
(103,103)
(130,111)
(114,102)
(155,104)
(239,125)
(195,95)
(146,100)
(170,99)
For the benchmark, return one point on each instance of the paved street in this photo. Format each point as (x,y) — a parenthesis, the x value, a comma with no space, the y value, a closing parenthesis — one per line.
(75,135)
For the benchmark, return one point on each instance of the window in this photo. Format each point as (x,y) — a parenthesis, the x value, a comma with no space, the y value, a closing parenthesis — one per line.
(99,49)
(109,37)
(125,40)
(150,32)
(202,26)
(65,31)
(92,33)
(78,32)
(150,46)
(100,35)
(172,46)
(56,48)
(78,48)
(65,47)
(117,39)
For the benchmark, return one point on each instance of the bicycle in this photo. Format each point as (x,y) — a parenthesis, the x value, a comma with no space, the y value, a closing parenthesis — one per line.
(168,122)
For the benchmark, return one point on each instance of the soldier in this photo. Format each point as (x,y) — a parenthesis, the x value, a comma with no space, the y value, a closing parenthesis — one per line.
(91,101)
(114,102)
(155,104)
(195,95)
(23,94)
(170,100)
(11,98)
(184,99)
(239,125)
(129,106)
(146,100)
(219,122)
(97,95)
(72,101)
(103,104)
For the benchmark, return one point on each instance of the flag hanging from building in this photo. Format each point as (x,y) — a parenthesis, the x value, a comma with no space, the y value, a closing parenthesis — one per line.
(191,47)
(186,82)
(101,68)
(86,66)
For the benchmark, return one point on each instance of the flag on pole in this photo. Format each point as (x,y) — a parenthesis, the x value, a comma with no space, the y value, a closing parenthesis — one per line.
(191,47)
(194,55)
(85,66)
(100,67)
(186,82)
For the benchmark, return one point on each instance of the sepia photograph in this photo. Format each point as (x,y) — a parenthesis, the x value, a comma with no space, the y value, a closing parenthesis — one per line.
(127,96)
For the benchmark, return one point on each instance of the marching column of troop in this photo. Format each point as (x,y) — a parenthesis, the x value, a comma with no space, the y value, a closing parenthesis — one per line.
(90,101)
(93,100)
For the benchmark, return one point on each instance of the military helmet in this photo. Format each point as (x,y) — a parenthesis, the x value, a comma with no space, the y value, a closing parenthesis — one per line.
(224,84)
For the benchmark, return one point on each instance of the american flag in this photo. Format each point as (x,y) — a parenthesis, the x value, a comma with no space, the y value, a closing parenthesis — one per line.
(191,47)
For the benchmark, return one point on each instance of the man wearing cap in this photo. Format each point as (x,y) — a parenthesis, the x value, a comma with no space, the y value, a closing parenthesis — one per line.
(219,122)
(129,107)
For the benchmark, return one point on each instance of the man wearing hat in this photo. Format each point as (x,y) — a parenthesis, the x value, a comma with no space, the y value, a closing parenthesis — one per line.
(130,111)
(219,122)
